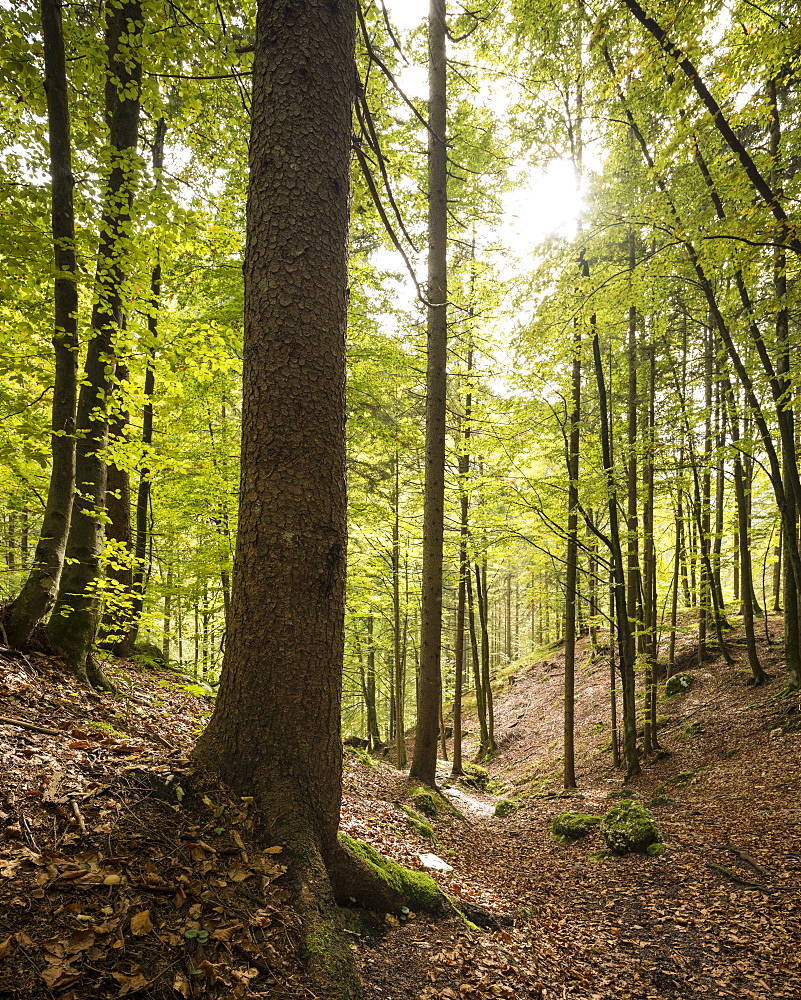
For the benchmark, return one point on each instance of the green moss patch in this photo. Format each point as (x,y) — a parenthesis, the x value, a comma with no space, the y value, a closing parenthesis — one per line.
(678,684)
(570,826)
(629,827)
(419,890)
(505,807)
(420,824)
(476,776)
(425,800)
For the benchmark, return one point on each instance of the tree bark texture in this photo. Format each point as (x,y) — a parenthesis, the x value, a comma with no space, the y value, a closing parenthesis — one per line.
(275,732)
(39,591)
(73,624)
(424,761)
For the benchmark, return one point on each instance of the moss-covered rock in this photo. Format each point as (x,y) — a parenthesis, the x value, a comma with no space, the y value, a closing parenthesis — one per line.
(678,684)
(149,655)
(426,800)
(629,827)
(476,776)
(505,807)
(420,891)
(420,824)
(570,826)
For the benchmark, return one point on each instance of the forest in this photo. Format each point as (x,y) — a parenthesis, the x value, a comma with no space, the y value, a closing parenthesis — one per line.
(510,316)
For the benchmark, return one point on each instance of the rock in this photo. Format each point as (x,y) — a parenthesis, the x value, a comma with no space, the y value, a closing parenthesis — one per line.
(434,863)
(629,827)
(148,654)
(505,807)
(570,826)
(678,684)
(476,776)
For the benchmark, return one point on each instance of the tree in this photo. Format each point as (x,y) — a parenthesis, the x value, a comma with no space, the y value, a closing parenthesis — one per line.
(39,592)
(275,732)
(72,626)
(424,762)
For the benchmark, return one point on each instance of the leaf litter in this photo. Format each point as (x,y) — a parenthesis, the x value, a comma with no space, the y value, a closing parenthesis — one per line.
(125,873)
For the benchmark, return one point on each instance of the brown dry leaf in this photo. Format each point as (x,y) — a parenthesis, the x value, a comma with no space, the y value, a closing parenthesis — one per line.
(238,874)
(59,976)
(5,947)
(273,850)
(80,941)
(128,984)
(181,984)
(141,923)
(55,946)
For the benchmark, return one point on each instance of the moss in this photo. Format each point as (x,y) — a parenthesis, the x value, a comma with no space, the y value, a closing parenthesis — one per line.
(691,730)
(361,755)
(432,803)
(682,778)
(107,728)
(421,825)
(419,890)
(476,776)
(505,807)
(629,827)
(678,684)
(655,850)
(570,826)
(425,800)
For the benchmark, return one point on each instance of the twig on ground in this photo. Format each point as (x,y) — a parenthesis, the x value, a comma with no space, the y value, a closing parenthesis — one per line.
(76,812)
(7,721)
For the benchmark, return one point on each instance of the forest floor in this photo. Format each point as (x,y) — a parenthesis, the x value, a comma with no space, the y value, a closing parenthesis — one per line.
(123,874)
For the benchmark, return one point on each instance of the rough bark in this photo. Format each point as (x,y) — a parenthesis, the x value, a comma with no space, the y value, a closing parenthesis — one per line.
(424,761)
(39,590)
(73,624)
(275,732)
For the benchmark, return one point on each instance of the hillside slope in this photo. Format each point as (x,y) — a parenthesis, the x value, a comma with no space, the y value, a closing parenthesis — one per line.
(122,874)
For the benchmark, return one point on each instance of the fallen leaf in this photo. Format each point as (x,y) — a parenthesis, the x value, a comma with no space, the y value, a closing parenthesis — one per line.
(141,923)
(59,976)
(128,984)
(5,947)
(181,984)
(80,941)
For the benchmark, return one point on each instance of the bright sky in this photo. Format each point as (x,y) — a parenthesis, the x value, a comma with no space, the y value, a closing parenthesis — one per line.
(547,203)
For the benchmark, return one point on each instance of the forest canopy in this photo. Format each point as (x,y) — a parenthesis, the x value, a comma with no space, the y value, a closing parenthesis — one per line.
(621,392)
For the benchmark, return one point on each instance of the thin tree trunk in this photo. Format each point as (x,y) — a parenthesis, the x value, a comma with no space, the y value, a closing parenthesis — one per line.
(72,625)
(424,761)
(398,661)
(39,590)
(571,569)
(621,610)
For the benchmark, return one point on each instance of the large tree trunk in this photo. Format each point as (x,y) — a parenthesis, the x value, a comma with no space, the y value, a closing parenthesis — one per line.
(39,591)
(424,761)
(275,732)
(73,624)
